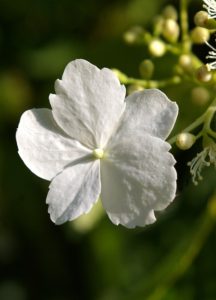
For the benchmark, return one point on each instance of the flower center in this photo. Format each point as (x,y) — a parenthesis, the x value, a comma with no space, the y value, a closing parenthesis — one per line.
(98,153)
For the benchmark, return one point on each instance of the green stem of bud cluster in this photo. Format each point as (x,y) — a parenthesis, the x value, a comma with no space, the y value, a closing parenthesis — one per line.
(186,43)
(185,140)
(154,83)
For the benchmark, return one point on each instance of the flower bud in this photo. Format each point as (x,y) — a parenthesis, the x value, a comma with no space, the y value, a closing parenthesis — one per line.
(200,95)
(171,30)
(201,18)
(170,12)
(185,61)
(203,74)
(185,140)
(199,35)
(146,69)
(133,35)
(157,48)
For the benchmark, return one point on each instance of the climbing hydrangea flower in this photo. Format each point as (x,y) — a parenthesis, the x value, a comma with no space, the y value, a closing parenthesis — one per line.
(210,6)
(205,158)
(211,55)
(94,141)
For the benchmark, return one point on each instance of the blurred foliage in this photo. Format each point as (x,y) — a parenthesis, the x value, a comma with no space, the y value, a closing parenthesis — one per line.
(173,259)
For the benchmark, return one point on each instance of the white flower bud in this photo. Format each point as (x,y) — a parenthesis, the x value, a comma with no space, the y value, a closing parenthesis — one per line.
(133,35)
(157,48)
(200,35)
(185,61)
(170,12)
(185,140)
(200,95)
(146,69)
(203,74)
(171,30)
(201,18)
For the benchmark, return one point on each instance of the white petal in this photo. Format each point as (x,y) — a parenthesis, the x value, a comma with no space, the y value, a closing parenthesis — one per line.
(88,103)
(149,111)
(138,177)
(43,146)
(74,191)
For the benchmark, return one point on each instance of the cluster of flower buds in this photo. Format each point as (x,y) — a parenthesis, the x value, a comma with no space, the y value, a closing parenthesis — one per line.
(165,30)
(207,156)
(206,23)
(164,38)
(171,34)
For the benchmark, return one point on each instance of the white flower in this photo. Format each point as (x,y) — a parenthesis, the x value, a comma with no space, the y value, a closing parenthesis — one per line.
(203,159)
(94,141)
(212,55)
(210,6)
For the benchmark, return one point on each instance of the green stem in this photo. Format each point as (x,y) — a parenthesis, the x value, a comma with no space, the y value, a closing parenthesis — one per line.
(191,127)
(158,282)
(207,126)
(201,234)
(153,83)
(184,26)
(204,118)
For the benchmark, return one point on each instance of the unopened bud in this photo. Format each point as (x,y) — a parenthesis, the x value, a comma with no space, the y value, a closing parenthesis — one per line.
(133,35)
(203,74)
(170,12)
(185,61)
(171,30)
(146,69)
(201,18)
(157,48)
(200,95)
(200,35)
(185,140)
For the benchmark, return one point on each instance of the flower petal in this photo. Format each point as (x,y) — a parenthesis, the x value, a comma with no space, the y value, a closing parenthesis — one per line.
(43,146)
(138,177)
(74,191)
(149,111)
(88,103)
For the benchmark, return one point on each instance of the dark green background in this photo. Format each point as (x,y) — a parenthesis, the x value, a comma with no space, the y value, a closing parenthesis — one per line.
(173,259)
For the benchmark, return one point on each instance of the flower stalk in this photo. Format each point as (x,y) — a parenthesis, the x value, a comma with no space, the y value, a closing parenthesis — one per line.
(186,43)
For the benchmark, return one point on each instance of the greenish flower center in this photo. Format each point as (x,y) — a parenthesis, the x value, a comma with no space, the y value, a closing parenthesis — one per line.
(98,153)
